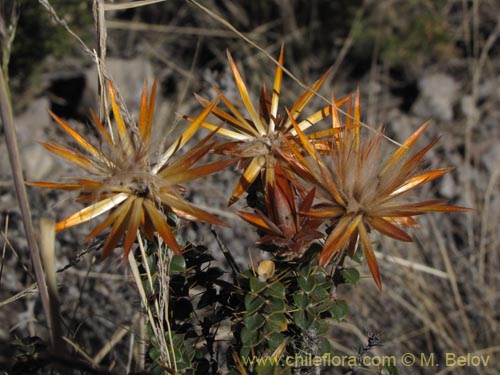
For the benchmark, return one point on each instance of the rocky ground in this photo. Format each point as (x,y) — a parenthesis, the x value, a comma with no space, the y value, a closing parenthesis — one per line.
(440,293)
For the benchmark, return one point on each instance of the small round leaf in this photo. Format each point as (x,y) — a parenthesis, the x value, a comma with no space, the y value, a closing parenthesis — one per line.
(350,275)
(253,303)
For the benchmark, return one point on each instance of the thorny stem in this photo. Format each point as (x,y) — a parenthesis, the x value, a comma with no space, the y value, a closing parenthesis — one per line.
(7,118)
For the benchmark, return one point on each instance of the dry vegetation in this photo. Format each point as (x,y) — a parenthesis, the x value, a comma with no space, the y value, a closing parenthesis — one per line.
(412,60)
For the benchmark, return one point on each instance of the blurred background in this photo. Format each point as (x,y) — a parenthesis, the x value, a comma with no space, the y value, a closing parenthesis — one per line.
(412,60)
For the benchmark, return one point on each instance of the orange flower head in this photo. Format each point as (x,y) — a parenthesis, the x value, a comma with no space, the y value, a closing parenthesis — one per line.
(358,190)
(121,179)
(257,138)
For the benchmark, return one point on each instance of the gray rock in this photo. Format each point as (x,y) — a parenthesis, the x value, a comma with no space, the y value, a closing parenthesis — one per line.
(447,186)
(438,93)
(469,108)
(37,162)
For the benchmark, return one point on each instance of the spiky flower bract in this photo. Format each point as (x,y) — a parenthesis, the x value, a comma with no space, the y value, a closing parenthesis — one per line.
(358,191)
(257,140)
(123,181)
(286,229)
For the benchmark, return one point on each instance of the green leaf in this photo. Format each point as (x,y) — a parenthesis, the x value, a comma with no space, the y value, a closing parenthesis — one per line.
(302,319)
(275,305)
(276,290)
(389,370)
(274,340)
(359,255)
(323,282)
(254,322)
(266,368)
(301,300)
(321,307)
(305,271)
(321,326)
(350,275)
(324,346)
(339,310)
(249,336)
(320,295)
(319,276)
(245,352)
(277,322)
(307,285)
(178,264)
(256,285)
(253,303)
(154,353)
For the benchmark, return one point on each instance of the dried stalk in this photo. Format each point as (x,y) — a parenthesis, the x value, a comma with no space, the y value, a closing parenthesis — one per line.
(7,118)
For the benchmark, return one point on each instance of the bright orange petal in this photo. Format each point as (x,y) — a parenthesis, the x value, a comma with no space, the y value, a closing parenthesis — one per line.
(304,99)
(327,213)
(186,135)
(101,128)
(369,254)
(71,156)
(91,212)
(117,231)
(133,226)
(89,183)
(278,77)
(194,173)
(54,185)
(418,180)
(405,221)
(187,211)
(256,220)
(314,118)
(146,114)
(162,227)
(248,177)
(239,122)
(240,84)
(338,238)
(398,154)
(226,133)
(357,117)
(77,137)
(122,209)
(384,227)
(123,132)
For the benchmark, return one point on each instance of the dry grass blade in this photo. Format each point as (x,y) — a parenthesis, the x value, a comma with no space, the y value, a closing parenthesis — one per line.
(168,29)
(443,249)
(47,234)
(113,341)
(28,290)
(7,118)
(130,5)
(412,265)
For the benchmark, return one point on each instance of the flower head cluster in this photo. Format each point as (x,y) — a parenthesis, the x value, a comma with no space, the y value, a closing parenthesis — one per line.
(352,189)
(121,179)
(335,184)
